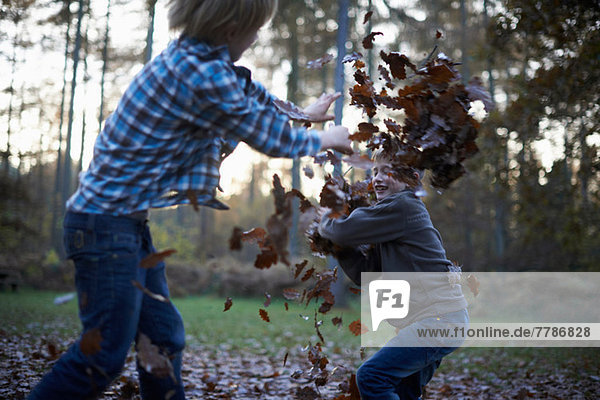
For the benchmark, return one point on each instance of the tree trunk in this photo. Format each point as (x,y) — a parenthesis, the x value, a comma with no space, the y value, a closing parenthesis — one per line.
(339,287)
(292,95)
(104,66)
(83,117)
(13,62)
(584,167)
(499,206)
(151,4)
(56,194)
(468,201)
(67,184)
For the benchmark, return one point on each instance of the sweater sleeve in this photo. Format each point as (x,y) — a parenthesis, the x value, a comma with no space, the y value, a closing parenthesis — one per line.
(353,262)
(381,223)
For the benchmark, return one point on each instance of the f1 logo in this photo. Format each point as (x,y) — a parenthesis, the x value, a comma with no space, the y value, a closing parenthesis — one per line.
(389,299)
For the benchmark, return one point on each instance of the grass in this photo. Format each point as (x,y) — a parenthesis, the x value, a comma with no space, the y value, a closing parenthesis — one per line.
(33,313)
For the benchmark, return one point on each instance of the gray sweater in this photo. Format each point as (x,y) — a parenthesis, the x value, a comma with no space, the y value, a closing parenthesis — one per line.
(404,240)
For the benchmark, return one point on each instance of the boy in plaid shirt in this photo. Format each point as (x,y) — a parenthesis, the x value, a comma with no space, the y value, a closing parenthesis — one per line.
(182,114)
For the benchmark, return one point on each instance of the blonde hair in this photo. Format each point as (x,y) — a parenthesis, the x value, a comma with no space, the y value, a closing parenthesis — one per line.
(379,156)
(410,175)
(210,19)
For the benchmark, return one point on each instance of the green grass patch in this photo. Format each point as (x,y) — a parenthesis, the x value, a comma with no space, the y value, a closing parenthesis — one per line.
(33,313)
(29,312)
(242,327)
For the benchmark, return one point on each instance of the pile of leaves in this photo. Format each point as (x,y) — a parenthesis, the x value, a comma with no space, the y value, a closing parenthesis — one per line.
(437,132)
(211,373)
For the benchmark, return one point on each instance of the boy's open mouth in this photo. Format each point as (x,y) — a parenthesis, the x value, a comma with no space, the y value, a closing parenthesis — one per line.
(380,188)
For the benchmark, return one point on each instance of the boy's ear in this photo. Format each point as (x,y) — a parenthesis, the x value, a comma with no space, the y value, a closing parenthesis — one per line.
(229,32)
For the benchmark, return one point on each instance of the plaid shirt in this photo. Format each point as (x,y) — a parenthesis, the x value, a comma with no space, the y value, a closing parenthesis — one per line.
(182,114)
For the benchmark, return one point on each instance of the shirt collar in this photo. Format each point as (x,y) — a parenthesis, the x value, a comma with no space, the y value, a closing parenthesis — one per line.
(204,49)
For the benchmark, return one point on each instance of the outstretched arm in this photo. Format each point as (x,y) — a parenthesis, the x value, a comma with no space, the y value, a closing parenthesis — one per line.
(318,110)
(336,137)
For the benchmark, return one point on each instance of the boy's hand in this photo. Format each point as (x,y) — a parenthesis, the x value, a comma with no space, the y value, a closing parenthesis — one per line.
(336,138)
(318,110)
(322,211)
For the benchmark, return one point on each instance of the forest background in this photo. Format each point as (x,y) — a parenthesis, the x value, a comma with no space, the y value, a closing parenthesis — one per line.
(530,200)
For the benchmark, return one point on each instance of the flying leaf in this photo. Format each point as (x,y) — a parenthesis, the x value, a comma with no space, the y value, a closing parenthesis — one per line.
(299,268)
(228,304)
(285,358)
(193,199)
(151,260)
(266,258)
(267,302)
(264,315)
(152,360)
(325,307)
(59,300)
(367,17)
(392,126)
(322,158)
(336,321)
(365,132)
(292,111)
(235,241)
(308,172)
(147,292)
(363,94)
(320,62)
(397,63)
(385,74)
(438,34)
(282,205)
(357,328)
(305,204)
(256,235)
(368,40)
(291,294)
(316,325)
(352,57)
(441,74)
(355,290)
(359,136)
(308,274)
(90,342)
(473,284)
(278,226)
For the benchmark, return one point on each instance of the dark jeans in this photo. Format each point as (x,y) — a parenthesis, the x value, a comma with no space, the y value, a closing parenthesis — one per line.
(398,372)
(107,251)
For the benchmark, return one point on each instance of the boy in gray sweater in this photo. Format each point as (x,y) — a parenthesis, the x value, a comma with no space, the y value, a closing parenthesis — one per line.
(403,239)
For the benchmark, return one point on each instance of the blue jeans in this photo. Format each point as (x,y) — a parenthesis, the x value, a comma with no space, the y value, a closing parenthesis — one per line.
(107,251)
(396,372)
